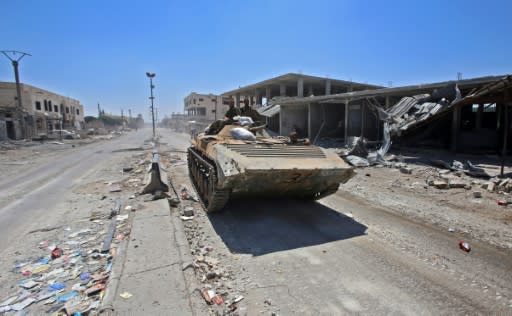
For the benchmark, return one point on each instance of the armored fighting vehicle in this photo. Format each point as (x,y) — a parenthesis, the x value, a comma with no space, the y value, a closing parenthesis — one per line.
(223,165)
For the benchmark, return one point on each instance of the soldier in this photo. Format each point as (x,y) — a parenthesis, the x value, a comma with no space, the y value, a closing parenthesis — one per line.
(216,126)
(252,113)
(231,113)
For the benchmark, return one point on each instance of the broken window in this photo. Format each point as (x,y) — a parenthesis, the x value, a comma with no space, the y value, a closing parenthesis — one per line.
(77,112)
(56,108)
(38,105)
(45,105)
(67,109)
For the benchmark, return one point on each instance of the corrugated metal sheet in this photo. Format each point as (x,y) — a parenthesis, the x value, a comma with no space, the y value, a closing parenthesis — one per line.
(270,110)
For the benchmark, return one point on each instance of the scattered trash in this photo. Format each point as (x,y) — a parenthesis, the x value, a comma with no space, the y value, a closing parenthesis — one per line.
(406,170)
(128,208)
(56,253)
(451,230)
(357,161)
(187,218)
(477,194)
(46,229)
(464,246)
(502,202)
(174,202)
(125,295)
(188,211)
(28,284)
(211,297)
(128,169)
(185,195)
(20,306)
(84,276)
(236,300)
(66,297)
(440,185)
(57,286)
(114,188)
(95,289)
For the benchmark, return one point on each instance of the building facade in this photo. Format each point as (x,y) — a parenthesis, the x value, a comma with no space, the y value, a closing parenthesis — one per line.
(42,111)
(208,107)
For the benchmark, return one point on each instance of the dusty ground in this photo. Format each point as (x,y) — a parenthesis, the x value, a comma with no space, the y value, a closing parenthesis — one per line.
(454,209)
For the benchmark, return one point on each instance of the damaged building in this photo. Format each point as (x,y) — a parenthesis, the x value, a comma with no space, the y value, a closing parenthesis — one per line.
(42,111)
(462,115)
(295,86)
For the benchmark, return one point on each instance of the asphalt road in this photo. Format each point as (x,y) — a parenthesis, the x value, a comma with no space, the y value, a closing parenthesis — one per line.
(29,196)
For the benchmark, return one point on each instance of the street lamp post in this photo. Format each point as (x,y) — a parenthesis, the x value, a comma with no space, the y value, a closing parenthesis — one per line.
(151,86)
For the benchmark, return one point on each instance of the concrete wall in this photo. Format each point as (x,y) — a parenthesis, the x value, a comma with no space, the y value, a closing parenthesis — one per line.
(294,116)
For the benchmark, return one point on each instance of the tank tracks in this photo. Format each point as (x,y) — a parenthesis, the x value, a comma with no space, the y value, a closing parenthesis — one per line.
(203,174)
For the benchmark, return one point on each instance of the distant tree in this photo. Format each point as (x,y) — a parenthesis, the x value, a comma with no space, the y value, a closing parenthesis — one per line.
(89,119)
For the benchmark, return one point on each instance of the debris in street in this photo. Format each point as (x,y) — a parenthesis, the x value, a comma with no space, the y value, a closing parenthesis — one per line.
(45,229)
(464,246)
(125,295)
(21,305)
(406,170)
(187,218)
(188,211)
(56,253)
(357,161)
(127,169)
(70,278)
(185,195)
(502,202)
(174,202)
(477,194)
(440,184)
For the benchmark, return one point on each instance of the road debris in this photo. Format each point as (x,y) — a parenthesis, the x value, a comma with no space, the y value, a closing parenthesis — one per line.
(69,278)
(464,246)
(125,295)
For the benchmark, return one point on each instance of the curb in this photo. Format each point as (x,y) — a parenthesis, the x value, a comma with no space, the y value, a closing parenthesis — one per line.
(115,275)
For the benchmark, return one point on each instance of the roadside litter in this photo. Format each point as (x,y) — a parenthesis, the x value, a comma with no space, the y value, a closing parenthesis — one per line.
(464,246)
(69,278)
(186,195)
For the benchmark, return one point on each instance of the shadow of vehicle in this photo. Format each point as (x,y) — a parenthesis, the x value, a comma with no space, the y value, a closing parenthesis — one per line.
(260,227)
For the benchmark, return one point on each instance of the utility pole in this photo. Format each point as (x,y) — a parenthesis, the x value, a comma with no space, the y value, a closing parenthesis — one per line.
(15,62)
(99,110)
(156,115)
(151,86)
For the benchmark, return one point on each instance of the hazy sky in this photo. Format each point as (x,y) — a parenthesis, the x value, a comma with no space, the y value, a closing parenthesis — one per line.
(99,50)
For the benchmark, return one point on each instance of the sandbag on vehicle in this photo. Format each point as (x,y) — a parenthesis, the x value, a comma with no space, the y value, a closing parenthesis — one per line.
(242,134)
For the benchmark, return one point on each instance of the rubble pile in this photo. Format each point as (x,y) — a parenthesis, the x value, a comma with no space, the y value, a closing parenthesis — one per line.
(69,275)
(218,285)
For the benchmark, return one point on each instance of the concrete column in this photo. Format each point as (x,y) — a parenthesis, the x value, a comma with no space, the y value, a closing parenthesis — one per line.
(282,90)
(267,93)
(310,134)
(237,101)
(363,113)
(479,114)
(257,97)
(327,87)
(252,100)
(346,120)
(310,90)
(455,128)
(387,102)
(300,87)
